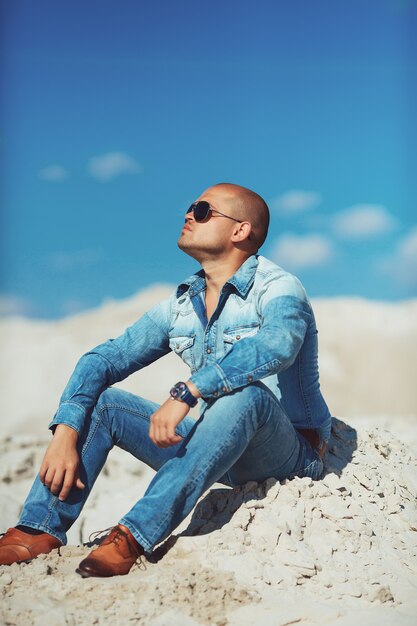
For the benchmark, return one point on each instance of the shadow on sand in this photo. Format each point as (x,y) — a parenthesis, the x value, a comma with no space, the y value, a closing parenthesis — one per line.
(220,504)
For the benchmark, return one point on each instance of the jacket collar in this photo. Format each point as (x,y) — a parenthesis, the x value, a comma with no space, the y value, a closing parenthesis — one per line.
(241,281)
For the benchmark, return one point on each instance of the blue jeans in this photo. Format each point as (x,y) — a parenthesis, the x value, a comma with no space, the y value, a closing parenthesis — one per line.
(239,437)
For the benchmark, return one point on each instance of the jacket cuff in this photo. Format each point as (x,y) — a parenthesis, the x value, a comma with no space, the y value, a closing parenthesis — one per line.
(211,382)
(70,414)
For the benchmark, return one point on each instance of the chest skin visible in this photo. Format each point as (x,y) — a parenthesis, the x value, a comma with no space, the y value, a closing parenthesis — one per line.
(211,301)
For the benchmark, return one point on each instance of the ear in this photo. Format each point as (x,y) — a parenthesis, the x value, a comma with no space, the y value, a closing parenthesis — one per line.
(242,231)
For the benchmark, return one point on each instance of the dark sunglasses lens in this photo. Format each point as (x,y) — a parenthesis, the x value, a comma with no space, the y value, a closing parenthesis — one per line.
(200,209)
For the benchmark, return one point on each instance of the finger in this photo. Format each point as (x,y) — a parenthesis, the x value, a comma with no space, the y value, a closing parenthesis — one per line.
(49,476)
(159,434)
(57,482)
(166,436)
(172,436)
(79,484)
(67,485)
(42,472)
(174,440)
(159,439)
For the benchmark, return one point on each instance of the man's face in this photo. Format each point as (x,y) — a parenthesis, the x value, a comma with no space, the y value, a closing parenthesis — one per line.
(211,238)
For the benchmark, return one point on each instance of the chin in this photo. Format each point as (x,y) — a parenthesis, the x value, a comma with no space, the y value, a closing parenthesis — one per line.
(187,248)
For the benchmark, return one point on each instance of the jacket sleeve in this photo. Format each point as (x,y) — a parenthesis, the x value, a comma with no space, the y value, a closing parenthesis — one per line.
(285,314)
(112,361)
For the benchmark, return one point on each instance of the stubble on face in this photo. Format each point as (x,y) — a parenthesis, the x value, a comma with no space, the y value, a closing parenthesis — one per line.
(201,245)
(208,240)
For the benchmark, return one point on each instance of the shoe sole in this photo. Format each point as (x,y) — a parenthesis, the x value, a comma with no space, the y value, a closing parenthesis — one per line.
(83,573)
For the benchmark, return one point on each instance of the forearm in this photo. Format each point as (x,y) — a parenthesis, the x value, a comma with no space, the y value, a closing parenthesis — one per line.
(112,361)
(91,376)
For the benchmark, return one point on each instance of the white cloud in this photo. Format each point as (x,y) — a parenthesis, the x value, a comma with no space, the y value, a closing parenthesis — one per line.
(54,173)
(77,259)
(297,251)
(107,166)
(362,221)
(407,249)
(402,264)
(296,201)
(14,305)
(72,306)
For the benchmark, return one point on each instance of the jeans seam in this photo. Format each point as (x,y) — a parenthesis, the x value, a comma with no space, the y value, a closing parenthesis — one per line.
(301,383)
(90,436)
(80,406)
(119,406)
(51,506)
(104,407)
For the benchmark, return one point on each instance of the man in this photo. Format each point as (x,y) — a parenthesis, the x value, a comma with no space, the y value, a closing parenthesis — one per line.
(247,331)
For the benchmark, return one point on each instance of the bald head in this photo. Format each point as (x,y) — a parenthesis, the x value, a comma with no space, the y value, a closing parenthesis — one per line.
(247,206)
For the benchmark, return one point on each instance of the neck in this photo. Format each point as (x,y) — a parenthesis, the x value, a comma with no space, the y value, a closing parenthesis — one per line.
(218,271)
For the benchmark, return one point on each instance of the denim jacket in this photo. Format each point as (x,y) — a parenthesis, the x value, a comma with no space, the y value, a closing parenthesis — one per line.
(262,329)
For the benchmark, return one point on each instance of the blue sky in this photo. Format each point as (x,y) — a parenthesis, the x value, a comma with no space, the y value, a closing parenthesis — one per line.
(116,115)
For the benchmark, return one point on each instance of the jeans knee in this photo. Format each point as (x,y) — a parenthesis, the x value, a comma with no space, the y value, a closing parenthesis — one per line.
(256,395)
(251,403)
(109,397)
(116,407)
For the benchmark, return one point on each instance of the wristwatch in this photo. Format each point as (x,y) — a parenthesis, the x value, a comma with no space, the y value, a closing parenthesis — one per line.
(181,392)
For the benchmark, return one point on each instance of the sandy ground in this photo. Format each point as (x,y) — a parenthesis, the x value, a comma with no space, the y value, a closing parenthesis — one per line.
(342,550)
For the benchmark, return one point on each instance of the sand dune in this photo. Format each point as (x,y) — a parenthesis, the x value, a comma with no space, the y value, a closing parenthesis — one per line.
(338,551)
(342,550)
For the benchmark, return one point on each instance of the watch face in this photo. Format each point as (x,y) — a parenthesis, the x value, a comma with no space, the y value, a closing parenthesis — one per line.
(177,390)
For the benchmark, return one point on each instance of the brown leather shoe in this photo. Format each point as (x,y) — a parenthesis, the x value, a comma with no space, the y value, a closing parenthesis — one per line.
(114,557)
(17,546)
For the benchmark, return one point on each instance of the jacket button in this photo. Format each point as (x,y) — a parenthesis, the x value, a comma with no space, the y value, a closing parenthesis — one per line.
(215,393)
(250,379)
(238,337)
(208,351)
(224,388)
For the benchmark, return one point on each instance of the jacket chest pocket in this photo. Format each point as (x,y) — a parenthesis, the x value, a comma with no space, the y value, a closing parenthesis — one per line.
(234,335)
(184,347)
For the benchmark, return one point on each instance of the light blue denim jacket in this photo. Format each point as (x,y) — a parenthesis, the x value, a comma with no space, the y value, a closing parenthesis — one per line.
(262,329)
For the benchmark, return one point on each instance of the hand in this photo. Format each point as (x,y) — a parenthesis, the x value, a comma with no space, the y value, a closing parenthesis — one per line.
(165,420)
(59,469)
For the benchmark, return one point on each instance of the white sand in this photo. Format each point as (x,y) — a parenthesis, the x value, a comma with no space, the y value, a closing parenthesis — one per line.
(342,550)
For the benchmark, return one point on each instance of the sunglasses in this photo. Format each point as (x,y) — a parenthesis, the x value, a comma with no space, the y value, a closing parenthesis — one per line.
(202,209)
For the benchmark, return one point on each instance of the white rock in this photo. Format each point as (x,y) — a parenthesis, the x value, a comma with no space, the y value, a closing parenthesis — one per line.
(334,508)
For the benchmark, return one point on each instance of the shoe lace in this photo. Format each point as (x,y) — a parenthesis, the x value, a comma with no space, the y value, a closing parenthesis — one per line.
(119,534)
(97,533)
